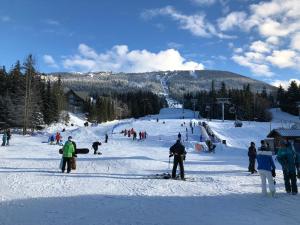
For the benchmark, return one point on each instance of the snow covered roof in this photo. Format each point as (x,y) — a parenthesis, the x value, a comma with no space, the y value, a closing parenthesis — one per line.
(285,132)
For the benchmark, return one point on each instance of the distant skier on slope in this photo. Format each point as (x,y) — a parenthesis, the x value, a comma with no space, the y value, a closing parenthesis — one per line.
(106,138)
(178,151)
(8,136)
(4,138)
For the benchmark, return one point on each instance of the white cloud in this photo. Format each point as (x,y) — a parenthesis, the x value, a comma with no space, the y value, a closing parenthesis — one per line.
(175,45)
(52,22)
(257,69)
(295,43)
(259,46)
(273,40)
(238,50)
(204,2)
(231,20)
(282,58)
(284,83)
(5,19)
(196,24)
(49,61)
(120,59)
(273,28)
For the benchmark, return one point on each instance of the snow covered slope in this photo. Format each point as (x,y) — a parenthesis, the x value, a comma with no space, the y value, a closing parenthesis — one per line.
(115,188)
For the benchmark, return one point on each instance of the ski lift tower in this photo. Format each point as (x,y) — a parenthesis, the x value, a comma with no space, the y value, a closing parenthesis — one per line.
(194,101)
(223,101)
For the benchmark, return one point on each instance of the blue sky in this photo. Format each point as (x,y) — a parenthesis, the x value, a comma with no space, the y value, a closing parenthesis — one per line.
(259,39)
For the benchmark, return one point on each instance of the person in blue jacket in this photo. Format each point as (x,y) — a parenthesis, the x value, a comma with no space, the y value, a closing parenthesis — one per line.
(265,167)
(289,161)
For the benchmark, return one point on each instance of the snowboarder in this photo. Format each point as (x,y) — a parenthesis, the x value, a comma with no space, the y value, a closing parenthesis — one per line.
(178,151)
(4,138)
(8,133)
(288,160)
(95,147)
(68,152)
(252,156)
(106,138)
(265,167)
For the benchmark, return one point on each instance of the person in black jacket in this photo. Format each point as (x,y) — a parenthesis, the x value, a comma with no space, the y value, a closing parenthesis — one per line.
(252,157)
(178,151)
(95,147)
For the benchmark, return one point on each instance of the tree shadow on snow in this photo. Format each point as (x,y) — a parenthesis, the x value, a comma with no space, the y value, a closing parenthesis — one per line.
(233,209)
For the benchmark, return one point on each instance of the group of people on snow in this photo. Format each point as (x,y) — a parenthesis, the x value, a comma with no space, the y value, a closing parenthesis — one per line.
(288,158)
(55,139)
(133,133)
(6,137)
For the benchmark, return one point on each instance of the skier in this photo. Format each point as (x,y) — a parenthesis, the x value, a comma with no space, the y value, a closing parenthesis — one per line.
(134,136)
(68,151)
(288,160)
(179,136)
(252,156)
(4,138)
(178,151)
(8,133)
(95,147)
(266,168)
(57,138)
(106,138)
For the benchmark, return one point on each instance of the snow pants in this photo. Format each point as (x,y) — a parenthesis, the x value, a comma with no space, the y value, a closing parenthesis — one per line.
(251,166)
(290,182)
(178,160)
(66,160)
(266,175)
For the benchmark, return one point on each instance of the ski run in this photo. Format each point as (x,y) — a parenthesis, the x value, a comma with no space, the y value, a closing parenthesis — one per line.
(119,187)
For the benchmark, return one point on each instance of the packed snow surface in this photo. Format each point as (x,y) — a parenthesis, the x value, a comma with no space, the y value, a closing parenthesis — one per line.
(115,188)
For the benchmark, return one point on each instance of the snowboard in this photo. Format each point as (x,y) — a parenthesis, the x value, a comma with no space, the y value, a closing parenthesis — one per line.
(168,176)
(73,163)
(78,151)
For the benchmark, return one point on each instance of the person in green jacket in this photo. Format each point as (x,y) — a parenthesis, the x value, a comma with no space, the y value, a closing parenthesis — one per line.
(68,151)
(289,161)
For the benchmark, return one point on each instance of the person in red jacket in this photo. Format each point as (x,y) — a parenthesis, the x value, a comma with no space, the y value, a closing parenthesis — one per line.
(58,138)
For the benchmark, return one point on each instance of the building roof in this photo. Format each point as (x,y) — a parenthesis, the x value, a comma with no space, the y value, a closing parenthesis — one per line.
(285,132)
(83,95)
